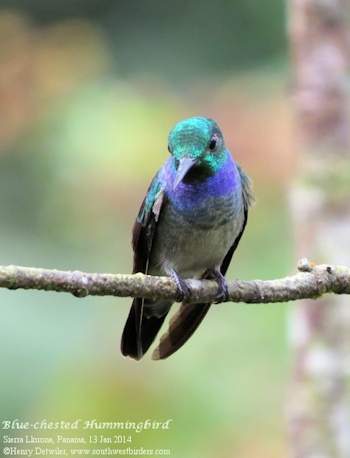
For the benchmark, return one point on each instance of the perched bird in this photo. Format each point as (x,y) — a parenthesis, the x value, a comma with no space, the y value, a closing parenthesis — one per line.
(189,226)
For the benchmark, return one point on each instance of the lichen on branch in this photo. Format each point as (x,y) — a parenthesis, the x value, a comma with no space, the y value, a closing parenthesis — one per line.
(311,281)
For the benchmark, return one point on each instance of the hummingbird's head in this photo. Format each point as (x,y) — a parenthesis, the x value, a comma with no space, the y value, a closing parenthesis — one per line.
(197,148)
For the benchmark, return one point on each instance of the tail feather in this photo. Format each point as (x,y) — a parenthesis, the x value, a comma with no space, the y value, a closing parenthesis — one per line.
(181,327)
(139,331)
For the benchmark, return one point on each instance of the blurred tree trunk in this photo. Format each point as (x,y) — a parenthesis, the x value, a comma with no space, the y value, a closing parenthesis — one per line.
(319,401)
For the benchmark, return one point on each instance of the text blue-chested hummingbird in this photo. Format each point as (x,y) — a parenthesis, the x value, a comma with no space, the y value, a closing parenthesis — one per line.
(189,225)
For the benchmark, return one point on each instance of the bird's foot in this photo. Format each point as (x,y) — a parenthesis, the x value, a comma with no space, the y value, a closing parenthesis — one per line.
(183,293)
(222,295)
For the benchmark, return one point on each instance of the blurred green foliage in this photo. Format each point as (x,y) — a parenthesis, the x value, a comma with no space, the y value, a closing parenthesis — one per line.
(89,91)
(176,40)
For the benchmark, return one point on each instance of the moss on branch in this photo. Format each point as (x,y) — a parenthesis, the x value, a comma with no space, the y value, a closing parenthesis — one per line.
(309,282)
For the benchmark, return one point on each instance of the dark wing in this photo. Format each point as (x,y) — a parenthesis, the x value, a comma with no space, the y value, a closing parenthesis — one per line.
(189,316)
(139,331)
(248,200)
(145,225)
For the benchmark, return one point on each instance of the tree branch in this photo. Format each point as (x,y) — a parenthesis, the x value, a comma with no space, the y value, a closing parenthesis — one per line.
(312,281)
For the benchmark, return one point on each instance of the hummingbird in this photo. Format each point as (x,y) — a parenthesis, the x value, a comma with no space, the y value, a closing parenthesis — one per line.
(189,225)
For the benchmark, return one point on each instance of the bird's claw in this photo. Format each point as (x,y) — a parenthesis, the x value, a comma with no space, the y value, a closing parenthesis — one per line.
(222,295)
(183,293)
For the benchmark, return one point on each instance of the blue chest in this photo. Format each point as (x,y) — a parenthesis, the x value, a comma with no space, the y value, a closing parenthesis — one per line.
(210,203)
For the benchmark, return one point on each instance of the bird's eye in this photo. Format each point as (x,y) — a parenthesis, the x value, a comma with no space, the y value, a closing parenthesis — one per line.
(177,162)
(213,143)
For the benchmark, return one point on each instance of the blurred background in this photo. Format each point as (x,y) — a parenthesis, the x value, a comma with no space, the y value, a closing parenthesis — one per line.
(89,91)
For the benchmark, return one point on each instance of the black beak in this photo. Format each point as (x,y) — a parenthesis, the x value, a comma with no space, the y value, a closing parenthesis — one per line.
(186,163)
